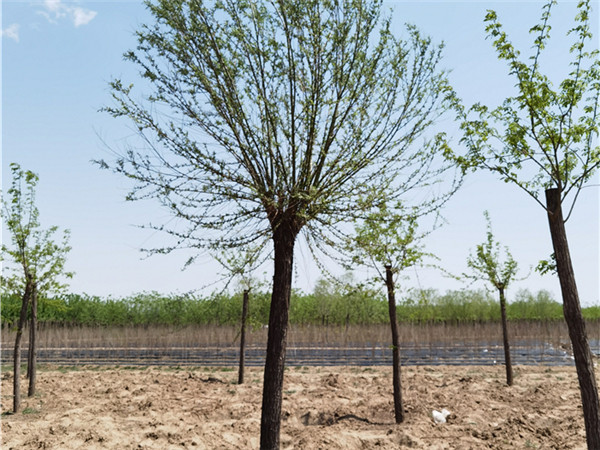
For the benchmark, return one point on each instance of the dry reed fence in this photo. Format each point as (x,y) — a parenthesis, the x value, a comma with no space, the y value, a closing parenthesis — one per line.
(308,344)
(61,336)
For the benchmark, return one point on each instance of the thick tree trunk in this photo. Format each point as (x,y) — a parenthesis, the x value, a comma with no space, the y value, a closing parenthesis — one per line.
(32,357)
(575,323)
(396,379)
(507,360)
(283,240)
(17,350)
(243,336)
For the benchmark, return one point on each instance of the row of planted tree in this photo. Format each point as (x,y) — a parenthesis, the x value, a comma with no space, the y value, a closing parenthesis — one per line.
(326,306)
(267,121)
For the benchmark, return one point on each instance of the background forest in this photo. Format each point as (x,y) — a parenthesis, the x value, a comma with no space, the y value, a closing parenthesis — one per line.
(326,305)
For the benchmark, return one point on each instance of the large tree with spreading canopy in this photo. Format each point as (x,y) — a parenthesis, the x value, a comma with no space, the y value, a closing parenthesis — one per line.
(544,140)
(273,118)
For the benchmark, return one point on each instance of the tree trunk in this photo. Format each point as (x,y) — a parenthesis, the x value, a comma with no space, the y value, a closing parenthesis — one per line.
(243,336)
(32,357)
(396,380)
(17,351)
(575,323)
(507,360)
(283,241)
(28,375)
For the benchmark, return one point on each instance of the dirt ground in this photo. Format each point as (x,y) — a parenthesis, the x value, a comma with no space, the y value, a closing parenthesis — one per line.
(323,408)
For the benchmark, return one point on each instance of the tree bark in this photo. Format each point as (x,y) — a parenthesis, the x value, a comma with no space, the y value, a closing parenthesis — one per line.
(283,241)
(396,379)
(32,357)
(507,360)
(575,322)
(243,336)
(28,375)
(17,350)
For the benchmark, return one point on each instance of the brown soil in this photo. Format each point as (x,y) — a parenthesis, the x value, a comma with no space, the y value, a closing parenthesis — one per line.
(323,408)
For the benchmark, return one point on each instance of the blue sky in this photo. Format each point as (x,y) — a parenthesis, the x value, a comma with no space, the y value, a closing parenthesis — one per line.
(58,58)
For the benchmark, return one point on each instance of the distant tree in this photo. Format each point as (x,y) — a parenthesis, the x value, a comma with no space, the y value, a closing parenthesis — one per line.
(272,119)
(241,263)
(324,293)
(37,264)
(336,298)
(486,264)
(546,141)
(389,243)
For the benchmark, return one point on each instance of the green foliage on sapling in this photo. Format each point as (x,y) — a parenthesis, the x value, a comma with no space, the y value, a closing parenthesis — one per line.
(240,263)
(486,264)
(33,255)
(387,237)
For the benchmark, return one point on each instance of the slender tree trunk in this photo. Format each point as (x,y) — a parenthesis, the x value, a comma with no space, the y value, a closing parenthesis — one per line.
(17,351)
(396,380)
(31,339)
(575,323)
(28,375)
(507,360)
(32,357)
(283,241)
(243,336)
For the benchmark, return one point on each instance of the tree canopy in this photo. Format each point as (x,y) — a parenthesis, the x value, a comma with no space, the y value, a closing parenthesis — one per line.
(545,136)
(262,111)
(486,263)
(387,237)
(34,256)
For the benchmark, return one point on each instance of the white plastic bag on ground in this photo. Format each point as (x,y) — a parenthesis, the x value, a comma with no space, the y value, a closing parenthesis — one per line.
(440,416)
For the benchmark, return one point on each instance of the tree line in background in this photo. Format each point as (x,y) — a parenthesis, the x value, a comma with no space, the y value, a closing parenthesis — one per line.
(326,306)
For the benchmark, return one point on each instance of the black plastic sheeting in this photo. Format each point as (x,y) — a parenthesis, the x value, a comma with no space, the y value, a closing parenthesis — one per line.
(491,353)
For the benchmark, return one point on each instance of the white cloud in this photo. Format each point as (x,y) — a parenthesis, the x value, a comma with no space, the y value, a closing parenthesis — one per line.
(53,5)
(56,10)
(12,32)
(82,16)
